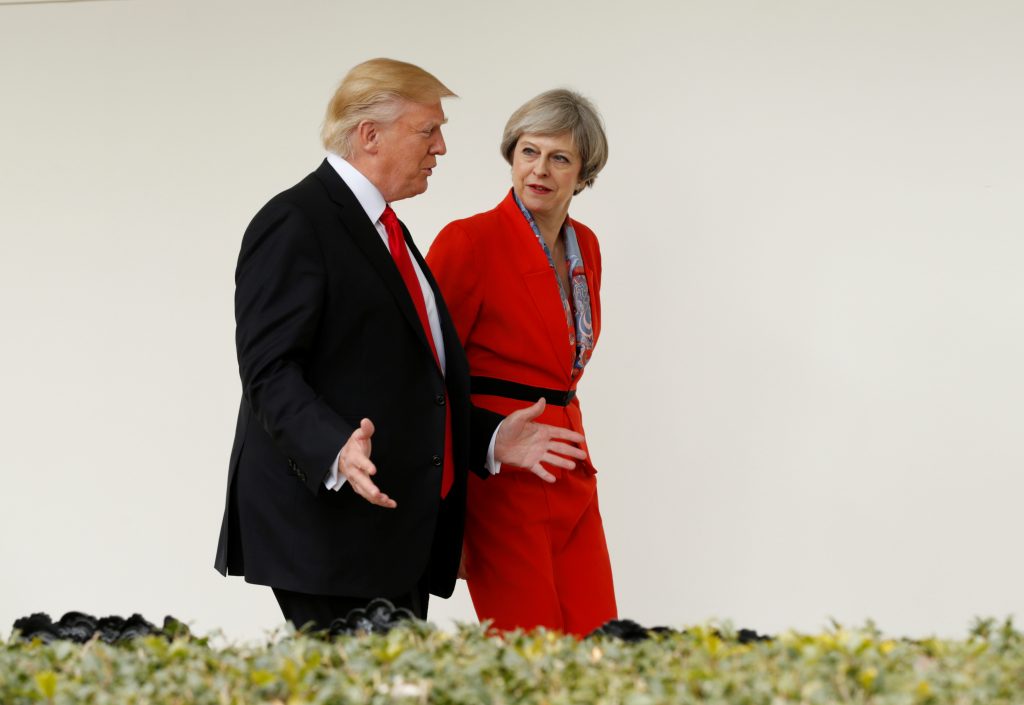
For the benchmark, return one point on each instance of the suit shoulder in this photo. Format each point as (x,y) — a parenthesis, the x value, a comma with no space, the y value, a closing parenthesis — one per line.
(583,231)
(290,215)
(474,224)
(301,204)
(588,243)
(474,228)
(584,235)
(465,244)
(308,192)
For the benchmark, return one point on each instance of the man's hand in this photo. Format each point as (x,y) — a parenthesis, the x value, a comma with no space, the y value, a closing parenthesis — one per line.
(525,443)
(355,464)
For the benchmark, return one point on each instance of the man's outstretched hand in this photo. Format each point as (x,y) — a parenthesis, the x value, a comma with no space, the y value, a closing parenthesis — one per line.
(355,464)
(523,442)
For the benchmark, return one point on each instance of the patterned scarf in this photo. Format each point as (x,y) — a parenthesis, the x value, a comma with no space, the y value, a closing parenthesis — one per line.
(577,314)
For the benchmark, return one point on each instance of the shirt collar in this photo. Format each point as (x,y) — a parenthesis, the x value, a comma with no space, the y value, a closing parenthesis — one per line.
(366,193)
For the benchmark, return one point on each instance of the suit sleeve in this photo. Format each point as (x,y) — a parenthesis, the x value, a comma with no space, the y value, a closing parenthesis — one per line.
(279,291)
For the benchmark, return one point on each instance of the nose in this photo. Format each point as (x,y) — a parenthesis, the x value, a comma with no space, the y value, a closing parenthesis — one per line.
(439,146)
(540,167)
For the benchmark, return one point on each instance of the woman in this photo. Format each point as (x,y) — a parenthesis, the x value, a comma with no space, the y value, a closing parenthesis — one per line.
(522,283)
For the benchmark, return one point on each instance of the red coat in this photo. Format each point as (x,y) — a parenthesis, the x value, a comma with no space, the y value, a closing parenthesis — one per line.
(535,553)
(503,298)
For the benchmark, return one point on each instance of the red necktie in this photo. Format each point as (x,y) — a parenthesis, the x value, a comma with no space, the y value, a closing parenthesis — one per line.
(399,252)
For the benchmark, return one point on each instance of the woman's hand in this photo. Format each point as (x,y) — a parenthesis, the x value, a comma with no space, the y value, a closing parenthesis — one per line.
(523,442)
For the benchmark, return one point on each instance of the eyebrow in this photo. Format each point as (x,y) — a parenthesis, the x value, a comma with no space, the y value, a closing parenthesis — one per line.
(430,125)
(560,150)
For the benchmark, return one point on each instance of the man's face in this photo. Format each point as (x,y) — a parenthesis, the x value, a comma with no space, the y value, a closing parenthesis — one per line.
(408,150)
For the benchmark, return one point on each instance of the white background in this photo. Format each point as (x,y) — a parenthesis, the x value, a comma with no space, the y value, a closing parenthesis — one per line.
(808,399)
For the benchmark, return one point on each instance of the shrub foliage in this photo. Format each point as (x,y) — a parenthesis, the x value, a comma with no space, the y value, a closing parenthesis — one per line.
(417,663)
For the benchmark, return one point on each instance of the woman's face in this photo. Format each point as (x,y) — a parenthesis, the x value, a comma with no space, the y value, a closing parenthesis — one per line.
(545,172)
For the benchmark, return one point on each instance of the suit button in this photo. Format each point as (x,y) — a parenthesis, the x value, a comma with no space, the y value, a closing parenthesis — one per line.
(439,400)
(436,461)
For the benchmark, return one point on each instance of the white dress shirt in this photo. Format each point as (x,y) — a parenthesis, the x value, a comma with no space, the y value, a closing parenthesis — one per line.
(373,205)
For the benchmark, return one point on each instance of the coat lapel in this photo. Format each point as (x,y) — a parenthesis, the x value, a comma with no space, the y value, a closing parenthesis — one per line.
(540,282)
(592,267)
(595,301)
(366,237)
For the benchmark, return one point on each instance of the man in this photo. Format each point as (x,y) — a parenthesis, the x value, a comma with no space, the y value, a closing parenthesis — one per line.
(355,431)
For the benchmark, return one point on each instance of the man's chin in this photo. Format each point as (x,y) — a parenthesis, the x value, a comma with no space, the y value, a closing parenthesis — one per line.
(412,191)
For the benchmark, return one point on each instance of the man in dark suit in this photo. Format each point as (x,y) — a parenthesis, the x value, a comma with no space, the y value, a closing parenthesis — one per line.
(355,431)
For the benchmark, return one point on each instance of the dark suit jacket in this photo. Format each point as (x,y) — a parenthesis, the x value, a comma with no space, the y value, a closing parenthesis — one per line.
(326,334)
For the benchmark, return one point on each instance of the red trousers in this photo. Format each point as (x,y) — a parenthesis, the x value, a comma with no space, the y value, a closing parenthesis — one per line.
(536,552)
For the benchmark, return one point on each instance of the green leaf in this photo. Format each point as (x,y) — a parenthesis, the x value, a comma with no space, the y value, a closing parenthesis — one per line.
(46,681)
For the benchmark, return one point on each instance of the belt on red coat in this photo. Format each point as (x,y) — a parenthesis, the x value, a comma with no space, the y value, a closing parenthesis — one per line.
(522,392)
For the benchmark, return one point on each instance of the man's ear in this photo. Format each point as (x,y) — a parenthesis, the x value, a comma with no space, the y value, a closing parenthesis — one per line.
(367,136)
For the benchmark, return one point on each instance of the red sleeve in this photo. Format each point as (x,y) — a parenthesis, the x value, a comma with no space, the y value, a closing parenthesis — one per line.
(455,264)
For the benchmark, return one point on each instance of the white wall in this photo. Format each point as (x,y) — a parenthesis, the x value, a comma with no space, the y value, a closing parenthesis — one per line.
(807,401)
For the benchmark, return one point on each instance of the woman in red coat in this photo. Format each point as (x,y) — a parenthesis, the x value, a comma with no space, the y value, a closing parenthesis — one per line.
(522,283)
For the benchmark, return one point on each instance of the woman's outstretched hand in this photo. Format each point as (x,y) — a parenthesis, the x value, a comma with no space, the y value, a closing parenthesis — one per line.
(523,442)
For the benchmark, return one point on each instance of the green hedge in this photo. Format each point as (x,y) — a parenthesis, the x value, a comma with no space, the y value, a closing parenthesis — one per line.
(418,663)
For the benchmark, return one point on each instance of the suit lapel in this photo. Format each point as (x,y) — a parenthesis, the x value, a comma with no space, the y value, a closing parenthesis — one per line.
(595,302)
(543,291)
(591,265)
(366,237)
(453,352)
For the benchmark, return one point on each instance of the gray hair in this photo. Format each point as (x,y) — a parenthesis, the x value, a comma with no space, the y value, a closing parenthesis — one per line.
(554,112)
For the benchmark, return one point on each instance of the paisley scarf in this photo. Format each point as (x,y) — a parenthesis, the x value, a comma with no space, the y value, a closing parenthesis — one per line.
(577,313)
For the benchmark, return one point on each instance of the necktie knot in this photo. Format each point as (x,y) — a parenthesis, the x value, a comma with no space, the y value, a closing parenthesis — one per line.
(389,219)
(396,241)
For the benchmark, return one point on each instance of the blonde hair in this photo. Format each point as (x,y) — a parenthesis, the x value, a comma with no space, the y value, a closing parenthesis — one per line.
(374,90)
(557,111)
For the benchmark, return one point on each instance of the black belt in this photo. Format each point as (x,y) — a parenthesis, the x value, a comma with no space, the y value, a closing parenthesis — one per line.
(522,392)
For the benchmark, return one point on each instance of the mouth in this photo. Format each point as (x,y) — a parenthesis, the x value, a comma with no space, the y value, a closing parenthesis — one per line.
(538,189)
